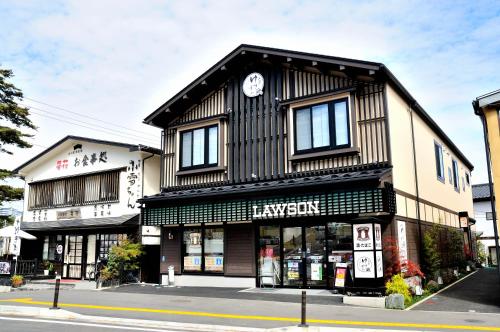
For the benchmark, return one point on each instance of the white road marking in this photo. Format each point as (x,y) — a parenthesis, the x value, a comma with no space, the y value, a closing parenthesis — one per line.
(118,327)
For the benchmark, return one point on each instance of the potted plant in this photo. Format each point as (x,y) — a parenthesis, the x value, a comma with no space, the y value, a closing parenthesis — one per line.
(48,267)
(16,280)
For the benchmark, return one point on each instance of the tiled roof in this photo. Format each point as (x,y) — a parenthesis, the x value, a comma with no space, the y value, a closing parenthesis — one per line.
(480,192)
(313,180)
(125,220)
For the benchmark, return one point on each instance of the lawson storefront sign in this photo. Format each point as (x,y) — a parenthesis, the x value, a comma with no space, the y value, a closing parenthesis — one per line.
(308,208)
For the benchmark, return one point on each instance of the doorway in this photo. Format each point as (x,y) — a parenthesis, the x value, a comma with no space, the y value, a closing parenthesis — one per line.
(304,257)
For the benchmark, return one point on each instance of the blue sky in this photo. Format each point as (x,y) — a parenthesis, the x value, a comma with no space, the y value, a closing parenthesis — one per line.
(110,60)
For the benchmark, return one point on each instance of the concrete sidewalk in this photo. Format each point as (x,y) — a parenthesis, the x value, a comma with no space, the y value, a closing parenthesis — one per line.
(478,293)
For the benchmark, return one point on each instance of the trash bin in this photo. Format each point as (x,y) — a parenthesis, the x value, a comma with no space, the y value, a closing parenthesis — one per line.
(171,278)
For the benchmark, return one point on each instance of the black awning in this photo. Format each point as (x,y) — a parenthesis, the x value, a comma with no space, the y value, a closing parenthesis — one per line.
(90,223)
(286,185)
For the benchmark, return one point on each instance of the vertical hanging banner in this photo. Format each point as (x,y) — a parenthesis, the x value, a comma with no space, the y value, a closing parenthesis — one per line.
(378,237)
(15,240)
(363,236)
(403,246)
(380,264)
(364,264)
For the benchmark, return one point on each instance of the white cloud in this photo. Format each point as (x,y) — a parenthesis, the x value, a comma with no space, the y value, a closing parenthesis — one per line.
(119,60)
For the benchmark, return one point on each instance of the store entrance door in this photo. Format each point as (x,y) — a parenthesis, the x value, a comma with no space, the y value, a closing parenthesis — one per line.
(304,257)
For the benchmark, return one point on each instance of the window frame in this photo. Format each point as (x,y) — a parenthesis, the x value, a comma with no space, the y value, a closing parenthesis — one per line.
(202,227)
(331,126)
(455,175)
(206,163)
(441,164)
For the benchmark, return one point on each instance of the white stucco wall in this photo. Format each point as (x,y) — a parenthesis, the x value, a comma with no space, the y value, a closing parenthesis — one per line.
(64,161)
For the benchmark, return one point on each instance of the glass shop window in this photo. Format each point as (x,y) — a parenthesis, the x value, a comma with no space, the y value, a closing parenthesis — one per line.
(322,127)
(340,248)
(269,255)
(204,250)
(192,250)
(199,147)
(214,249)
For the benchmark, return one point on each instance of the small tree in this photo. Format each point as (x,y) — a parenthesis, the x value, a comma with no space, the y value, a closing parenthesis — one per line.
(122,257)
(431,258)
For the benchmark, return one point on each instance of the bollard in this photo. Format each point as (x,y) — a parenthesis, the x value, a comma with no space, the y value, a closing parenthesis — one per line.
(303,311)
(56,293)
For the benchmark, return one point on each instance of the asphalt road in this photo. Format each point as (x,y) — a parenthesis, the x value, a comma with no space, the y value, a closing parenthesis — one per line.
(248,313)
(479,292)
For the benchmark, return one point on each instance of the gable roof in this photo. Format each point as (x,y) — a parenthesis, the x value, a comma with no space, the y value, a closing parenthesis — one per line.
(131,147)
(219,72)
(481,192)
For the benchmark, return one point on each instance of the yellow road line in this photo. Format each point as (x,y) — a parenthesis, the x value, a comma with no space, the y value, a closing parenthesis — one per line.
(258,317)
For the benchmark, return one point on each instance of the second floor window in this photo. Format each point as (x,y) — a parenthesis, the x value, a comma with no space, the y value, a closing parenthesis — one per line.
(322,127)
(438,150)
(456,184)
(199,147)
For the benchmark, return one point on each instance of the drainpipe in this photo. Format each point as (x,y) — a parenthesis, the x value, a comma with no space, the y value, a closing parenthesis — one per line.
(420,253)
(490,185)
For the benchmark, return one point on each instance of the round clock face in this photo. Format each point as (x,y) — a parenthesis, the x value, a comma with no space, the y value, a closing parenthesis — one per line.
(253,85)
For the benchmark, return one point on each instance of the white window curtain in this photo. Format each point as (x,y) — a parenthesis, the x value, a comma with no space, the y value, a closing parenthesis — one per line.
(213,145)
(321,126)
(341,124)
(198,147)
(186,149)
(303,129)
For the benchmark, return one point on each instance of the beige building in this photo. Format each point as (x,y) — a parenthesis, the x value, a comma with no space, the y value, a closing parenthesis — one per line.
(291,169)
(487,107)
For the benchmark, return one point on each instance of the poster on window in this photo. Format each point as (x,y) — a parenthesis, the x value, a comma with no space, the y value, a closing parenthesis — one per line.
(403,246)
(4,267)
(378,237)
(293,270)
(364,265)
(214,263)
(362,236)
(192,263)
(380,264)
(316,271)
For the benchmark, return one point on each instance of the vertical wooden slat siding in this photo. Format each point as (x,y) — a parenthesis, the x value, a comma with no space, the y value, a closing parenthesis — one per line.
(258,133)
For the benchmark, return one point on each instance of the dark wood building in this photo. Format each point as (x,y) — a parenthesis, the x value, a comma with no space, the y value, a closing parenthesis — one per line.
(287,168)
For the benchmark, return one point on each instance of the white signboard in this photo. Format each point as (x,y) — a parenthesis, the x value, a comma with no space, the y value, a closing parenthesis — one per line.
(403,246)
(253,85)
(15,240)
(363,236)
(364,265)
(151,230)
(309,208)
(378,237)
(316,271)
(380,264)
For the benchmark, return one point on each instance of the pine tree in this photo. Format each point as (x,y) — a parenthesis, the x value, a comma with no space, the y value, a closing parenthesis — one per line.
(11,113)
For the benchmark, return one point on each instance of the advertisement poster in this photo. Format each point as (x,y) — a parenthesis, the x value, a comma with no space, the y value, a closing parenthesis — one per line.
(15,240)
(364,266)
(214,263)
(4,268)
(293,270)
(403,246)
(316,271)
(192,263)
(362,236)
(380,264)
(378,237)
(340,273)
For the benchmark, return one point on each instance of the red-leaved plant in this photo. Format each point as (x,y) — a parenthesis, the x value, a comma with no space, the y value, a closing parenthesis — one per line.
(392,261)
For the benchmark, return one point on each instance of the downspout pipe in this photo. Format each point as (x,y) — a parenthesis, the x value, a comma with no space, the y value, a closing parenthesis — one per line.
(420,251)
(490,180)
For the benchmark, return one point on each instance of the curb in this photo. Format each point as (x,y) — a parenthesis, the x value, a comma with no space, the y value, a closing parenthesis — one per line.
(68,315)
(439,291)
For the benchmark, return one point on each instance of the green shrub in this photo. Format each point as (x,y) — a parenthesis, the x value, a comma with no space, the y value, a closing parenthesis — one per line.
(122,257)
(432,286)
(431,259)
(397,285)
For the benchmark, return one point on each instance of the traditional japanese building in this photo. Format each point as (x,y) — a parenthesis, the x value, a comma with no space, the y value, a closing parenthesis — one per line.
(81,198)
(284,168)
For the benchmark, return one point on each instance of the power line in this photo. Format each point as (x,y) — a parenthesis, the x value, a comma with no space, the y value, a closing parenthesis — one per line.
(92,124)
(85,116)
(80,125)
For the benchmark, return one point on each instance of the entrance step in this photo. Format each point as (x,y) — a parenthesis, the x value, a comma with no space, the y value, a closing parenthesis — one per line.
(290,291)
